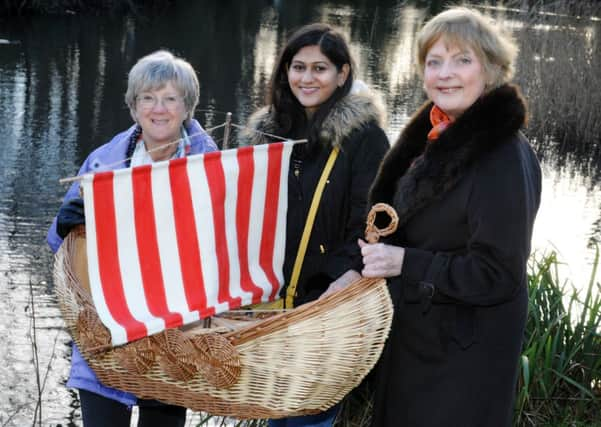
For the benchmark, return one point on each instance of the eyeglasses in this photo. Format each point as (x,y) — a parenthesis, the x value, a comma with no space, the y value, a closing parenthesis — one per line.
(148,101)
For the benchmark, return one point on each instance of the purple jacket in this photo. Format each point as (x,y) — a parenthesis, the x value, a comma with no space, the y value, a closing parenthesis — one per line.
(107,157)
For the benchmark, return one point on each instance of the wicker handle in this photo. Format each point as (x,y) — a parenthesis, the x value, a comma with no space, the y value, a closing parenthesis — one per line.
(373,233)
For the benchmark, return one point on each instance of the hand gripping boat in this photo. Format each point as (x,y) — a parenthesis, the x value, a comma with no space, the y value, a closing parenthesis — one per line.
(296,362)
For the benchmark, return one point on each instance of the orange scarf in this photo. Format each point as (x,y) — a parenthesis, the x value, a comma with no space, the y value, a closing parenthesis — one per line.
(440,121)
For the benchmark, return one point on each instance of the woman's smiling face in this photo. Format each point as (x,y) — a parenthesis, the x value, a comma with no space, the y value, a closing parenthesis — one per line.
(313,78)
(160,113)
(454,77)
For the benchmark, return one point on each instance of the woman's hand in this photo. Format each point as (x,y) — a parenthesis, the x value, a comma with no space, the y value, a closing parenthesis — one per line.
(342,282)
(381,260)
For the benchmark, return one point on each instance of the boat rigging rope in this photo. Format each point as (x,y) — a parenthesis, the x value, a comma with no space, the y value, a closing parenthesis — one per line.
(177,141)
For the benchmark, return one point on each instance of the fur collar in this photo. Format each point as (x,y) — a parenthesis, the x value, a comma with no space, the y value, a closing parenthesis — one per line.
(353,112)
(492,120)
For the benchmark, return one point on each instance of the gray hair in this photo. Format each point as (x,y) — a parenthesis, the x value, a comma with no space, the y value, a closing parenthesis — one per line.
(154,71)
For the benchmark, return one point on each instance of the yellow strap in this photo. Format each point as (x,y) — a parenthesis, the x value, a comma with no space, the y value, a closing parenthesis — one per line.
(302,248)
(277,304)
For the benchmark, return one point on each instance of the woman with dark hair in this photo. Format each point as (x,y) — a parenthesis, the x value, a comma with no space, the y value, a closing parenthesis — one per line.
(466,185)
(313,95)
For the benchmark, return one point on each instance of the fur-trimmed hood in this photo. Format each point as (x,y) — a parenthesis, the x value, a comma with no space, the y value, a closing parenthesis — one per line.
(353,112)
(411,181)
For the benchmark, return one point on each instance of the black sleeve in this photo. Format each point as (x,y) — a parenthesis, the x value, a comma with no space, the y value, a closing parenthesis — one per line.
(501,210)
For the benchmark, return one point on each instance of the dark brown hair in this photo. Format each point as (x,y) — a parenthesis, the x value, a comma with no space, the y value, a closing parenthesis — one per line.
(289,114)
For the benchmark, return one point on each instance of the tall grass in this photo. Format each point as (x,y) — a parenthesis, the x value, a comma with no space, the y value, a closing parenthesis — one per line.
(560,378)
(558,72)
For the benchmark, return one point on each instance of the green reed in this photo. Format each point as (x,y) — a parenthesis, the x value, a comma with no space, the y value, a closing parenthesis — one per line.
(560,379)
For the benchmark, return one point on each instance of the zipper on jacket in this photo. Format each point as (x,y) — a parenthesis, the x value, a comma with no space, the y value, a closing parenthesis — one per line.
(296,170)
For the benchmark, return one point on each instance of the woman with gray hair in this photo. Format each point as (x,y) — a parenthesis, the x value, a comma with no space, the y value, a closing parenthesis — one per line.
(466,185)
(162,93)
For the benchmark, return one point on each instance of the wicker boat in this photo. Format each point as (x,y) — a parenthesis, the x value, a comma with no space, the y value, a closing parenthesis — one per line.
(297,362)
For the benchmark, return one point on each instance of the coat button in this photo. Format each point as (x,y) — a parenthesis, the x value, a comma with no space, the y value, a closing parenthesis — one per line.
(426,290)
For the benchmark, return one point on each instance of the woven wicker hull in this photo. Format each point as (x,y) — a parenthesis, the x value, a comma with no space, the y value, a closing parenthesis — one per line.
(299,362)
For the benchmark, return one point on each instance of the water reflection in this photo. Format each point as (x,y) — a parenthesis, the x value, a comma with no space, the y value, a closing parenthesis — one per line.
(569,221)
(264,54)
(61,95)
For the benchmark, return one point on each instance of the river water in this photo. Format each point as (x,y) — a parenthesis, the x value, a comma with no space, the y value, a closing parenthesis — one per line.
(62,81)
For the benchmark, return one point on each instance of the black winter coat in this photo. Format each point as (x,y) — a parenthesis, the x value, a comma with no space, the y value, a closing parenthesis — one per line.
(467,204)
(353,124)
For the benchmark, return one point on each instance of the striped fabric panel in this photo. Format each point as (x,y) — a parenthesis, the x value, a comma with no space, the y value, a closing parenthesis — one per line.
(173,242)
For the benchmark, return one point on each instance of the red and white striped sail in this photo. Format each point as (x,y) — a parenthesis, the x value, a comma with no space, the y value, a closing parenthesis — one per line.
(173,242)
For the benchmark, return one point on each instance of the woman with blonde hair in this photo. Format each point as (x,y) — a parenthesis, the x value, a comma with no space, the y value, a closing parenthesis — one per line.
(466,185)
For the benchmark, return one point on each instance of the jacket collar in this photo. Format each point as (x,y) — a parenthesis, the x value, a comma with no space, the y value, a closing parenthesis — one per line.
(108,156)
(411,180)
(353,112)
